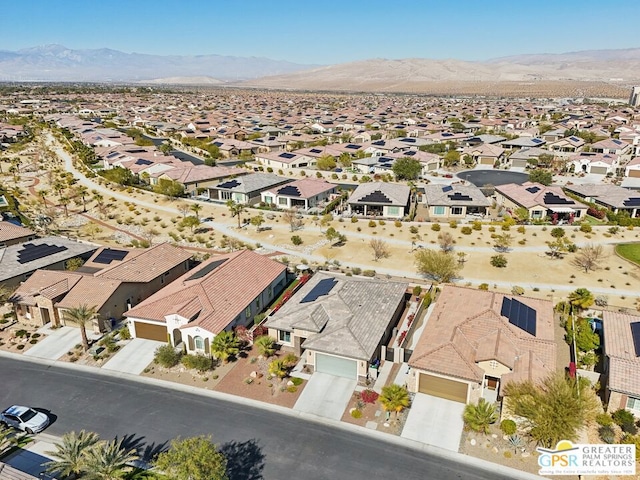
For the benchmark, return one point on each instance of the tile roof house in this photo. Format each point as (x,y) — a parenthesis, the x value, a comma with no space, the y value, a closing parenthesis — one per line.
(567,144)
(303,194)
(521,158)
(541,201)
(454,201)
(611,145)
(19,261)
(621,338)
(285,160)
(595,163)
(112,280)
(220,294)
(194,177)
(613,197)
(11,234)
(244,189)
(389,200)
(476,342)
(340,322)
(484,154)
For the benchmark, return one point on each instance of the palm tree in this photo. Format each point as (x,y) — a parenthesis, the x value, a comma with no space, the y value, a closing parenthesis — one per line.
(81,315)
(478,417)
(581,299)
(236,210)
(394,398)
(82,192)
(108,460)
(265,345)
(70,453)
(195,208)
(64,201)
(225,345)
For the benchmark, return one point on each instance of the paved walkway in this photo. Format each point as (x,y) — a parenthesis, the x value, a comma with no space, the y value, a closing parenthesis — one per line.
(435,421)
(383,375)
(134,357)
(326,395)
(56,343)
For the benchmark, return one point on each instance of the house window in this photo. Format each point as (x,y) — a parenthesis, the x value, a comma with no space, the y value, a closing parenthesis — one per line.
(536,214)
(282,201)
(268,199)
(199,343)
(393,210)
(456,210)
(247,311)
(284,336)
(438,210)
(633,403)
(225,195)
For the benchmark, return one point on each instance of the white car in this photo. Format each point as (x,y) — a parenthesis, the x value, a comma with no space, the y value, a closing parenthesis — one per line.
(24,418)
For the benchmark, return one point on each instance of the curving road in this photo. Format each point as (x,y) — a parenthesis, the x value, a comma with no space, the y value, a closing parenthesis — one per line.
(261,443)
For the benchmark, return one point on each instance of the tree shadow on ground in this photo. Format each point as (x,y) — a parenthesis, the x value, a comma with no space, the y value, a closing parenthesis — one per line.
(146,452)
(245,460)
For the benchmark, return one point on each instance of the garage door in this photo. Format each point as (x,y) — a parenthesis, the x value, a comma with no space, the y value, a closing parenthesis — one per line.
(487,161)
(443,388)
(338,366)
(599,170)
(634,173)
(151,332)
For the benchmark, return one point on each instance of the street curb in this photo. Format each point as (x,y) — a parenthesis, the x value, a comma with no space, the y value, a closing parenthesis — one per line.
(374,434)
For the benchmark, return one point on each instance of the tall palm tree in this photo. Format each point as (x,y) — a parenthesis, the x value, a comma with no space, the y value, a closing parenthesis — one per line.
(70,453)
(81,315)
(478,417)
(265,345)
(195,208)
(236,210)
(225,345)
(108,460)
(581,299)
(394,398)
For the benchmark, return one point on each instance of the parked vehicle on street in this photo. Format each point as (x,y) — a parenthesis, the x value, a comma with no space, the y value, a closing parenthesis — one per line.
(24,418)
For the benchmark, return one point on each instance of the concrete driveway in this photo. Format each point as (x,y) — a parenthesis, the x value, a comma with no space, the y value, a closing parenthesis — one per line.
(326,395)
(134,357)
(435,421)
(56,343)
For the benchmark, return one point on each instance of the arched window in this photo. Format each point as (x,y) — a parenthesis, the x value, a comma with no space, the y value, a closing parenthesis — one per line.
(199,341)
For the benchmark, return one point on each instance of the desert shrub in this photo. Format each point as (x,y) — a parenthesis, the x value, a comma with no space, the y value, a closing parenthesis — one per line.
(483,286)
(354,219)
(623,416)
(166,356)
(417,290)
(632,440)
(292,389)
(20,347)
(604,419)
(435,227)
(521,229)
(369,273)
(508,427)
(296,240)
(296,381)
(586,228)
(356,413)
(453,224)
(124,333)
(356,270)
(606,433)
(413,229)
(466,230)
(477,225)
(372,223)
(499,261)
(369,396)
(398,223)
(21,333)
(516,290)
(199,362)
(33,341)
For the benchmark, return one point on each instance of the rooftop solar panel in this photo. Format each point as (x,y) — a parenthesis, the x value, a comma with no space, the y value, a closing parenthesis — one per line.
(287,155)
(375,197)
(379,143)
(323,287)
(457,196)
(108,255)
(448,188)
(31,252)
(447,134)
(533,189)
(290,190)
(229,184)
(536,140)
(553,199)
(519,314)
(353,146)
(142,161)
(207,269)
(315,150)
(635,334)
(408,140)
(632,202)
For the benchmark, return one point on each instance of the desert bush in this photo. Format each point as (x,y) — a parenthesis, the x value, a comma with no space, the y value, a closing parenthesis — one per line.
(499,261)
(607,434)
(508,427)
(198,362)
(604,419)
(435,227)
(466,230)
(296,240)
(369,396)
(356,413)
(166,356)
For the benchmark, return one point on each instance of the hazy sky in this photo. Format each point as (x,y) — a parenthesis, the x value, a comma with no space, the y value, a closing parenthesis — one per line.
(325,31)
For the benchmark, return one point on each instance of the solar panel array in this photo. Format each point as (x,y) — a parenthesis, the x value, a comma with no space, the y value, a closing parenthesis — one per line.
(207,269)
(287,155)
(635,334)
(379,143)
(519,314)
(408,140)
(31,252)
(632,202)
(352,146)
(458,197)
(533,189)
(375,197)
(448,188)
(142,161)
(229,184)
(553,199)
(108,255)
(323,287)
(290,190)
(315,150)
(536,140)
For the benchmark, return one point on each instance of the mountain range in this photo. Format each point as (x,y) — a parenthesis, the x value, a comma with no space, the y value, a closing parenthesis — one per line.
(56,63)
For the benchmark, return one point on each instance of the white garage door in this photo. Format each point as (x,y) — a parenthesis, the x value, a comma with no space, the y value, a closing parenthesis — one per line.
(338,366)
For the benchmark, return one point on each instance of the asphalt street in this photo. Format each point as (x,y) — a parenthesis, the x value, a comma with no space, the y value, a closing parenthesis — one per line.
(259,443)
